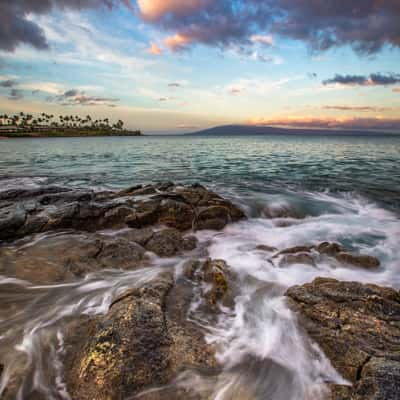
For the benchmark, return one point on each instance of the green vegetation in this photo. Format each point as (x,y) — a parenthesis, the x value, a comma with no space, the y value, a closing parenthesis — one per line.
(46,125)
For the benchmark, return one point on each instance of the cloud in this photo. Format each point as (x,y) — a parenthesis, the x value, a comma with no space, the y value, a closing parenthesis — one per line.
(154,10)
(9,83)
(396,90)
(365,25)
(17,28)
(263,39)
(71,93)
(235,91)
(174,85)
(46,87)
(377,79)
(357,108)
(74,97)
(184,126)
(377,123)
(164,99)
(16,94)
(154,49)
(178,42)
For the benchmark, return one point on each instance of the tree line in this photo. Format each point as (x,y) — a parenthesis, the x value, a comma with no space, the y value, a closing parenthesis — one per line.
(29,122)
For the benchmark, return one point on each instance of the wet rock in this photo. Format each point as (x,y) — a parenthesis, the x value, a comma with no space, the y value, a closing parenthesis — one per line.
(282,211)
(264,247)
(67,256)
(116,217)
(138,191)
(358,260)
(179,207)
(12,218)
(216,276)
(145,214)
(143,342)
(299,258)
(176,214)
(169,242)
(215,273)
(294,250)
(329,249)
(139,236)
(214,217)
(18,194)
(358,328)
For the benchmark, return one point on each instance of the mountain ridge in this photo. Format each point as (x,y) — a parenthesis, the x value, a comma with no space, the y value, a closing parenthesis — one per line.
(243,130)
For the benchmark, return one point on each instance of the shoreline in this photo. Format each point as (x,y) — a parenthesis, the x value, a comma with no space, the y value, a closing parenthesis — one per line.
(30,135)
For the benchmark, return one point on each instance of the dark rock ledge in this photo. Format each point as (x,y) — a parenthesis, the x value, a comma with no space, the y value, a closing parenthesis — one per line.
(28,211)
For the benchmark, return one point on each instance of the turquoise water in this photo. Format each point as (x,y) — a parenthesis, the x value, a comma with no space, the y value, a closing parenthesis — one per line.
(365,165)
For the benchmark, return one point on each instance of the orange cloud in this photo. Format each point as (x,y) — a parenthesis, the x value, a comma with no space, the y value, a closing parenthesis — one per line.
(154,49)
(177,42)
(396,90)
(153,10)
(330,123)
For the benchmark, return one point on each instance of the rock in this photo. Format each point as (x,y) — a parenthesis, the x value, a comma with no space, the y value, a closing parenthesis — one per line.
(358,328)
(298,258)
(216,275)
(358,260)
(12,218)
(143,342)
(145,214)
(180,207)
(329,249)
(281,211)
(264,247)
(68,256)
(138,191)
(176,214)
(294,250)
(139,236)
(214,217)
(116,217)
(169,242)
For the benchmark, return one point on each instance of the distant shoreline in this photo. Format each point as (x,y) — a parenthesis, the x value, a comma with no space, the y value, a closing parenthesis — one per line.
(55,134)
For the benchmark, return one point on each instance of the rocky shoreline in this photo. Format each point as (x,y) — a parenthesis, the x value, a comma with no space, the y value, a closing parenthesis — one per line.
(53,235)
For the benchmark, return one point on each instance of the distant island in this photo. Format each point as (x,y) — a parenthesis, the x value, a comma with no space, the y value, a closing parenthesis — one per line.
(246,130)
(24,125)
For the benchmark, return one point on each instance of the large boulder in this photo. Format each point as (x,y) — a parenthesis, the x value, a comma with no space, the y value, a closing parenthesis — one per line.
(358,328)
(146,338)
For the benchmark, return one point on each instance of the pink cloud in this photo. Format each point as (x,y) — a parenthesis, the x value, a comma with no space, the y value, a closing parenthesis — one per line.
(263,39)
(330,123)
(177,42)
(154,49)
(153,10)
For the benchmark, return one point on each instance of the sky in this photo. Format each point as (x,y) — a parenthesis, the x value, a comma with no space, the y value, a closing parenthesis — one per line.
(175,66)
